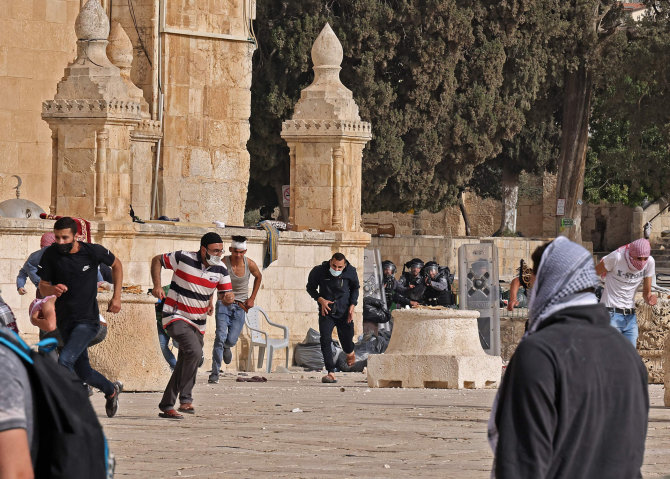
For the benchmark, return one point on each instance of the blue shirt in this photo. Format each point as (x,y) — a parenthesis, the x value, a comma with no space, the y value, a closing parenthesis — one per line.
(29,269)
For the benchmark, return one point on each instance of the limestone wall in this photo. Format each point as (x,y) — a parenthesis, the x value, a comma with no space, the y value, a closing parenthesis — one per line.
(207,85)
(653,323)
(207,97)
(282,292)
(606,226)
(37,41)
(512,328)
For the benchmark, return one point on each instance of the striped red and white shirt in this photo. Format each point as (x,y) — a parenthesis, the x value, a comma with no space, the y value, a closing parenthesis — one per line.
(192,286)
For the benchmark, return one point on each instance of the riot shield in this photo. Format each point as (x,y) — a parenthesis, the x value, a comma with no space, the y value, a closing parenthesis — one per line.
(478,290)
(372,275)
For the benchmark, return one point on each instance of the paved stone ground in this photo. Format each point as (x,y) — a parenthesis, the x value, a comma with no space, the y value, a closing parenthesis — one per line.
(344,430)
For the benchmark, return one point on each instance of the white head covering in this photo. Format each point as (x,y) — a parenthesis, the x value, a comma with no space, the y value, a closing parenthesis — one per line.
(241,245)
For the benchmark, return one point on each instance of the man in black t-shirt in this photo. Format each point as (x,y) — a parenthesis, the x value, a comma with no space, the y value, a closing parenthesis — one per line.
(69,271)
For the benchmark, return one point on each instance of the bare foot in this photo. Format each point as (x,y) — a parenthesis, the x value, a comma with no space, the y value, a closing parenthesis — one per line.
(351,359)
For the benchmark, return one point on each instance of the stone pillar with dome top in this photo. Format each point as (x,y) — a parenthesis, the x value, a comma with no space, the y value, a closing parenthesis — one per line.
(326,138)
(92,115)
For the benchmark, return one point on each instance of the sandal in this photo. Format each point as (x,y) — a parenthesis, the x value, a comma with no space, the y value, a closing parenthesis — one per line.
(170,414)
(329,379)
(187,408)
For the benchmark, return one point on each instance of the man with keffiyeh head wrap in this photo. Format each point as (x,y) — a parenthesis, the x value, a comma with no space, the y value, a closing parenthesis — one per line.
(624,269)
(574,401)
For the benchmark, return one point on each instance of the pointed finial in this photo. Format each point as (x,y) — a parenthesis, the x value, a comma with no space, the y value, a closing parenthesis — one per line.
(92,22)
(120,49)
(327,49)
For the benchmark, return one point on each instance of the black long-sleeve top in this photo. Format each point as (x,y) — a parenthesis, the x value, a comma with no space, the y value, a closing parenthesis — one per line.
(342,289)
(573,402)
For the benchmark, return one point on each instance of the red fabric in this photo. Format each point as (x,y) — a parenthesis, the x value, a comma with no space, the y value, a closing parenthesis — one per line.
(639,249)
(182,307)
(47,239)
(83,226)
(195,280)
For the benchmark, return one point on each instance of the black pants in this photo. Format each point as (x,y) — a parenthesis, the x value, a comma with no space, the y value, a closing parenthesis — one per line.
(345,332)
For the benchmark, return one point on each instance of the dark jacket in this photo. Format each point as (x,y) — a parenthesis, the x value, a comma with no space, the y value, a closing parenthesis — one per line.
(392,295)
(573,403)
(415,293)
(438,290)
(343,290)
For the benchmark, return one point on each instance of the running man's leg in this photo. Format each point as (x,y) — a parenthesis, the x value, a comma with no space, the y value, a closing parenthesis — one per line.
(190,351)
(345,333)
(235,325)
(223,314)
(326,325)
(163,340)
(74,355)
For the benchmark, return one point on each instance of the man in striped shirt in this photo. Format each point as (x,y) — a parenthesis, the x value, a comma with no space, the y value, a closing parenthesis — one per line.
(197,275)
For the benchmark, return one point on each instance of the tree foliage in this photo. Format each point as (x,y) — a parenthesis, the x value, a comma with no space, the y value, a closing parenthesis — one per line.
(445,84)
(628,157)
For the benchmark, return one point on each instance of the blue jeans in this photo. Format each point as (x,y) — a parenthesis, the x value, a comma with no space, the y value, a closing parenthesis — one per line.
(627,324)
(74,355)
(229,324)
(163,340)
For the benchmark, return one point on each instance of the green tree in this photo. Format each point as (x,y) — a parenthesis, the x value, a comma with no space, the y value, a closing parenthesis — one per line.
(587,26)
(628,158)
(443,83)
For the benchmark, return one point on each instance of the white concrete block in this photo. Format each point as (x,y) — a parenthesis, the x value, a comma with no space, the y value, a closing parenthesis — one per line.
(434,349)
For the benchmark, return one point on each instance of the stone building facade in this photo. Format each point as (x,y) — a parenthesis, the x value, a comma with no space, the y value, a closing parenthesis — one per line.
(605,226)
(192,58)
(104,130)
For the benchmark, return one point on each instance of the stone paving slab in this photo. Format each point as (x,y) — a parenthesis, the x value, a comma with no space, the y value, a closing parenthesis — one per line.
(345,430)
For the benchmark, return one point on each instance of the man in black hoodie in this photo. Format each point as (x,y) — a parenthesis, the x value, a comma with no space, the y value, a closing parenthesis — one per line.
(574,400)
(334,285)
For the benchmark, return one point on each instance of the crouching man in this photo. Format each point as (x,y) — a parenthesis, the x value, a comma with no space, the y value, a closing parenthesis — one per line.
(334,286)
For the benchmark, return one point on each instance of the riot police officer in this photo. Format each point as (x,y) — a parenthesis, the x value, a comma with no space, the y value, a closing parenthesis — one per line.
(393,298)
(438,285)
(411,284)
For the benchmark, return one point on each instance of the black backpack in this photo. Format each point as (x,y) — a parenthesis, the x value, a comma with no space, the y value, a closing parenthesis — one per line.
(71,443)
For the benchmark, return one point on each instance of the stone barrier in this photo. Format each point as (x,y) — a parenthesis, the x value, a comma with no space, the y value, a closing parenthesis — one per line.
(653,325)
(131,353)
(434,348)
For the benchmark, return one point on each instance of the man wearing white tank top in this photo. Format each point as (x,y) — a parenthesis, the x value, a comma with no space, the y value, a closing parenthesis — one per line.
(230,318)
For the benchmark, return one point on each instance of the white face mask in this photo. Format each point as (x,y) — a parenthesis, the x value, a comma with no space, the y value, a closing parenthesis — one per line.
(213,260)
(335,273)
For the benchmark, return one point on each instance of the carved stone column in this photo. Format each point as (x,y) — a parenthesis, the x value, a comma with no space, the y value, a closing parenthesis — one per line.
(93,112)
(101,173)
(326,138)
(338,157)
(54,171)
(291,215)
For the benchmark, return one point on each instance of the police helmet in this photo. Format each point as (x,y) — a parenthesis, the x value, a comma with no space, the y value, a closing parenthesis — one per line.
(431,266)
(387,264)
(414,263)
